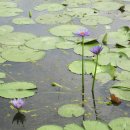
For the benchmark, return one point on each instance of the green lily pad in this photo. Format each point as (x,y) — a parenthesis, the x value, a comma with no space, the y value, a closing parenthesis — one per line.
(65,44)
(50,127)
(124,75)
(120,37)
(81,2)
(127,7)
(43,43)
(95,20)
(89,67)
(121,90)
(8,9)
(23,20)
(17,90)
(65,30)
(4,29)
(79,12)
(111,58)
(49,7)
(73,127)
(2,75)
(16,38)
(19,55)
(70,110)
(95,125)
(53,19)
(103,6)
(122,123)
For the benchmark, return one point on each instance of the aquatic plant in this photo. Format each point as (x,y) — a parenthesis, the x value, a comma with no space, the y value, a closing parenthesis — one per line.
(18,103)
(95,50)
(82,33)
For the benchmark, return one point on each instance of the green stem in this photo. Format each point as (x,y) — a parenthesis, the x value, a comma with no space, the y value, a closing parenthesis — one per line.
(93,84)
(82,71)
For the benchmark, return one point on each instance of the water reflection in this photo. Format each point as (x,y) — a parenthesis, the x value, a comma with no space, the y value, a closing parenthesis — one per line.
(19,118)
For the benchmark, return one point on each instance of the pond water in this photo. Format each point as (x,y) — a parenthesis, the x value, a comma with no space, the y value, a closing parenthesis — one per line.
(43,106)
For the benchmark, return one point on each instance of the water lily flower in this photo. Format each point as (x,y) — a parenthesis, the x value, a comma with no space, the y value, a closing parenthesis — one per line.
(18,103)
(96,50)
(82,32)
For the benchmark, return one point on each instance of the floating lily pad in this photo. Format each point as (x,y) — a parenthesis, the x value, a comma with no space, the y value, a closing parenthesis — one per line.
(16,38)
(103,6)
(65,30)
(65,44)
(8,9)
(49,7)
(43,43)
(121,90)
(89,66)
(53,19)
(71,110)
(17,90)
(111,58)
(95,125)
(79,12)
(127,7)
(76,2)
(2,75)
(120,37)
(50,127)
(122,123)
(124,75)
(17,55)
(95,20)
(4,29)
(23,20)
(73,127)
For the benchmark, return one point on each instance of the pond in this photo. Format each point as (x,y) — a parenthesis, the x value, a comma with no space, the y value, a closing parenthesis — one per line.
(41,62)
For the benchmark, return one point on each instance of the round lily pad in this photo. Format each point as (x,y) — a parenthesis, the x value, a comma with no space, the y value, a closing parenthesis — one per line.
(16,38)
(50,127)
(53,19)
(23,20)
(70,110)
(76,2)
(4,29)
(95,20)
(107,6)
(49,7)
(17,90)
(19,55)
(73,127)
(95,125)
(43,43)
(122,123)
(65,30)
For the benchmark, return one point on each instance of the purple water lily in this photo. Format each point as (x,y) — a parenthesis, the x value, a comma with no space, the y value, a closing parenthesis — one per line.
(96,50)
(82,32)
(18,103)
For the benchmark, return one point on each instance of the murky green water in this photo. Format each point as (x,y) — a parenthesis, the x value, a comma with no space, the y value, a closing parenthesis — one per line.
(53,68)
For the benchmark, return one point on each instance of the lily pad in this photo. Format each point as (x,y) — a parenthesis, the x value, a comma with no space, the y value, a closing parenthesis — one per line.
(81,2)
(121,90)
(73,127)
(16,38)
(65,30)
(17,90)
(122,123)
(95,125)
(23,20)
(124,75)
(95,20)
(70,110)
(49,7)
(19,55)
(2,75)
(4,29)
(103,6)
(53,19)
(50,127)
(43,43)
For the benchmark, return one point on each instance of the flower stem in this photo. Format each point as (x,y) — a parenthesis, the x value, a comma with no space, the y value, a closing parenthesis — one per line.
(93,84)
(82,71)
